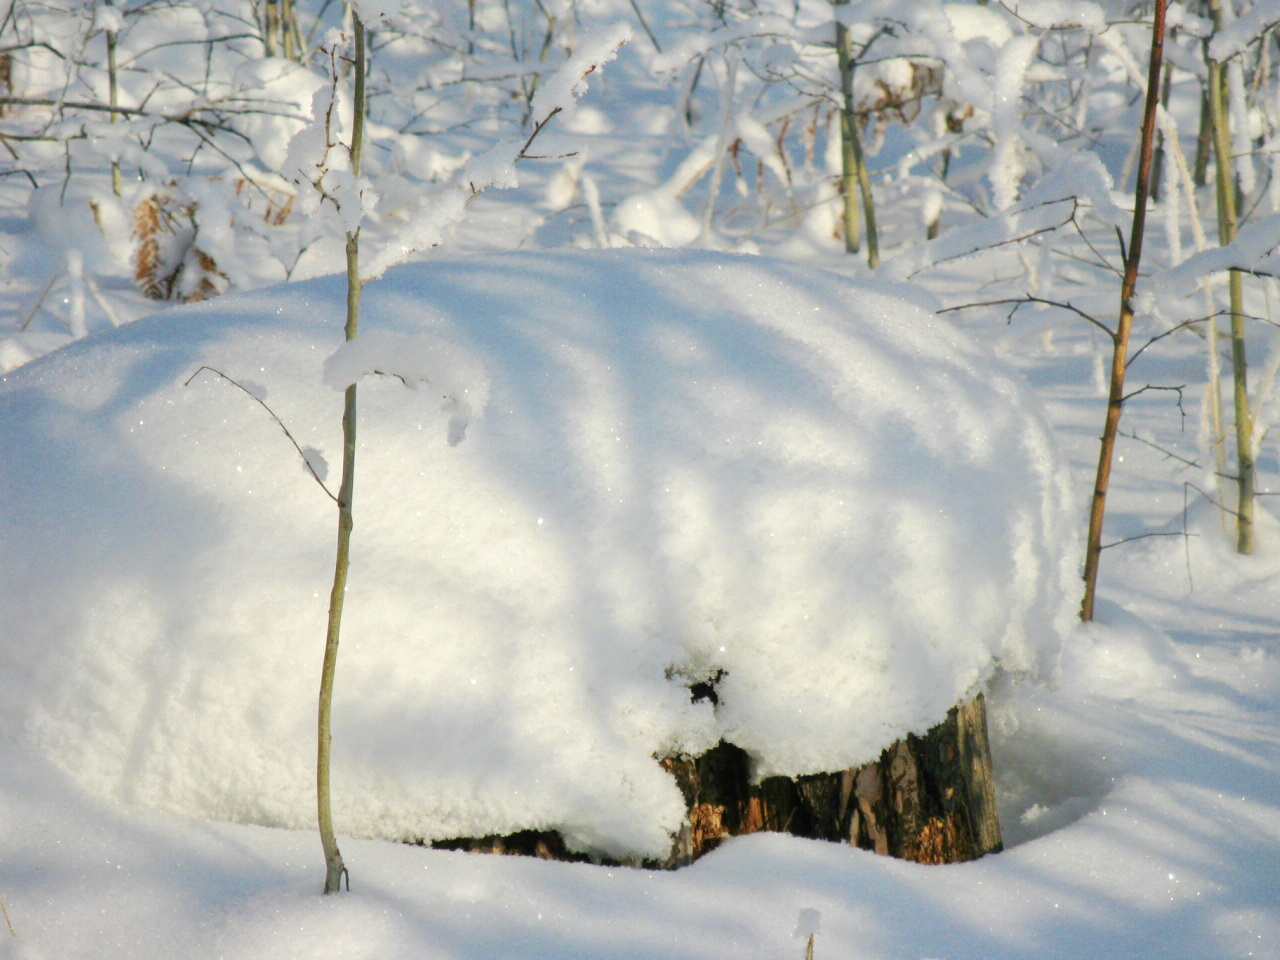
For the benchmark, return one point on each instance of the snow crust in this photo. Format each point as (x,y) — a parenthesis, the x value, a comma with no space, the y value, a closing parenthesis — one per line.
(689,463)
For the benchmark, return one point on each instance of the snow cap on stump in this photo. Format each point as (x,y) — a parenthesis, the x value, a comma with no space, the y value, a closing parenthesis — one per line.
(637,470)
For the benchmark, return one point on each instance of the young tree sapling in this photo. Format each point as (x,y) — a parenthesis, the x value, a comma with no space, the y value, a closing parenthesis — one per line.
(333,171)
(1120,335)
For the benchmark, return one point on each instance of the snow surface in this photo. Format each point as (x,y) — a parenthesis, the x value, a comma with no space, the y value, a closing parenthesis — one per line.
(1138,789)
(1138,792)
(688,463)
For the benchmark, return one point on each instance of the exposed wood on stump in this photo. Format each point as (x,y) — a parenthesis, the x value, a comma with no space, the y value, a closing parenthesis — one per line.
(930,799)
(543,844)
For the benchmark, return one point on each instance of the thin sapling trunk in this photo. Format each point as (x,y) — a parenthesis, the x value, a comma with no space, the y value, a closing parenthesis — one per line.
(1120,336)
(113,98)
(852,159)
(1220,123)
(334,867)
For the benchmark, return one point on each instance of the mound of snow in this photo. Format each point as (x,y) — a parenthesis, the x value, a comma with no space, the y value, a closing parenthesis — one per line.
(687,463)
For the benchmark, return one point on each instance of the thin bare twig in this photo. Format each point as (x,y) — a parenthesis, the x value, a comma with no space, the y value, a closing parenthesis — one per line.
(645,24)
(1160,336)
(1178,390)
(1102,261)
(1075,203)
(39,302)
(7,919)
(1168,454)
(262,403)
(1023,301)
(1145,536)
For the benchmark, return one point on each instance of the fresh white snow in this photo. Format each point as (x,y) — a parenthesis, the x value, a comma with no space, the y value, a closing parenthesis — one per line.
(166,560)
(577,490)
(688,463)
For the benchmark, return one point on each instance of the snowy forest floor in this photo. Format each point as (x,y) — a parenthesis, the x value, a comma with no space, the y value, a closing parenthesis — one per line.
(1139,791)
(1138,799)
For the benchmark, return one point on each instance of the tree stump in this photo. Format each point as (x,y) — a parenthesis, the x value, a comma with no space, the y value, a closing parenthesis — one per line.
(929,799)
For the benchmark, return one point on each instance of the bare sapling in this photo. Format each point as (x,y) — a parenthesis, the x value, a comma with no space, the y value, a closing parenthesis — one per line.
(423,230)
(113,91)
(1120,335)
(332,172)
(853,162)
(1228,222)
(335,869)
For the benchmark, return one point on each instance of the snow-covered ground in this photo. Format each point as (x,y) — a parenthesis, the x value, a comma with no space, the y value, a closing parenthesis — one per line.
(652,469)
(165,564)
(148,597)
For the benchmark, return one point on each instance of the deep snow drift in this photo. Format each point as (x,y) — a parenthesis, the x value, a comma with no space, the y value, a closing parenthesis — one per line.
(660,466)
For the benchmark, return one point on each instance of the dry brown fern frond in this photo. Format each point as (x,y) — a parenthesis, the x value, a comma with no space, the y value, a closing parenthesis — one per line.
(199,277)
(167,263)
(149,272)
(277,202)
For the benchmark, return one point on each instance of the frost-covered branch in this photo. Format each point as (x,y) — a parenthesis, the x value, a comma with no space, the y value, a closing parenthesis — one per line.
(495,168)
(1012,226)
(1255,249)
(450,372)
(1247,29)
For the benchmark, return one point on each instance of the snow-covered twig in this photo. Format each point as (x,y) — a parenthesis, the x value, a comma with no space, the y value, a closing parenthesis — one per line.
(1012,226)
(457,378)
(496,167)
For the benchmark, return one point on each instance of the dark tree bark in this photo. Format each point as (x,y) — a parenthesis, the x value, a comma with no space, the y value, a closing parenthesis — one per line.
(930,799)
(543,844)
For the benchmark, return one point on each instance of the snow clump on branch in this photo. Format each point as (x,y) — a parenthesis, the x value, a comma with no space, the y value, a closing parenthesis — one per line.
(419,359)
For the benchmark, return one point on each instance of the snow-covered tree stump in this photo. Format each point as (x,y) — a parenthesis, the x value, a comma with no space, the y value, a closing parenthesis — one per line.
(692,470)
(929,799)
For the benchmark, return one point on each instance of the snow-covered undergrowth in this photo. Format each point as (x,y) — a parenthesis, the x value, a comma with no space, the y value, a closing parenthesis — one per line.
(1137,789)
(688,465)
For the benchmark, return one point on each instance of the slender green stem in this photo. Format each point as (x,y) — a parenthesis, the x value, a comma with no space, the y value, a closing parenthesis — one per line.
(1157,165)
(113,98)
(270,26)
(290,33)
(334,866)
(1204,136)
(848,137)
(1220,118)
(852,159)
